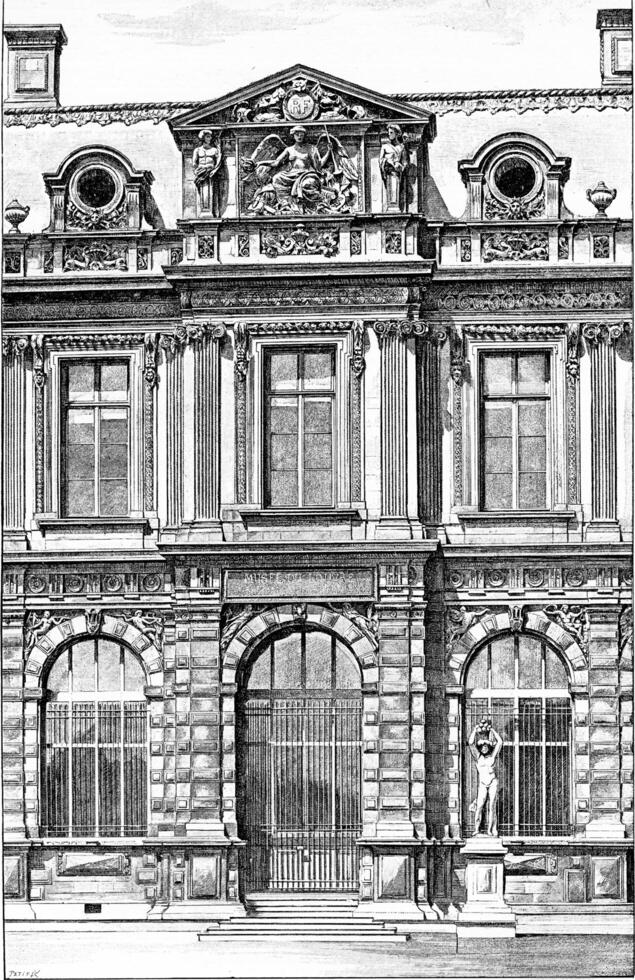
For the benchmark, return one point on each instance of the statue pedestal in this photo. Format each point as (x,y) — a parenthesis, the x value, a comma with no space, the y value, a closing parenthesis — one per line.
(485,913)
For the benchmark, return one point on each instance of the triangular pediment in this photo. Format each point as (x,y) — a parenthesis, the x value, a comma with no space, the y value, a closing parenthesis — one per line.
(300,95)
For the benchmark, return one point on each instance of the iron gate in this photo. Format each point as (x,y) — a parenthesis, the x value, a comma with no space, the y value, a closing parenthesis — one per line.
(299,792)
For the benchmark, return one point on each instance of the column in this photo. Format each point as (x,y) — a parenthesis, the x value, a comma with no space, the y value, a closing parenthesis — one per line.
(430,428)
(601,338)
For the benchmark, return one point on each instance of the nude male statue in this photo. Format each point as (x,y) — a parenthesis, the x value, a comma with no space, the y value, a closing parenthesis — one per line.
(485,745)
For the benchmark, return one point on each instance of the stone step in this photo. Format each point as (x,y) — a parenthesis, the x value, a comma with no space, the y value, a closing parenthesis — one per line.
(321,924)
(345,914)
(312,937)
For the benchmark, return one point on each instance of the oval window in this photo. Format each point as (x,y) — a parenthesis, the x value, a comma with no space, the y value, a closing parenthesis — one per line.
(96,188)
(515,177)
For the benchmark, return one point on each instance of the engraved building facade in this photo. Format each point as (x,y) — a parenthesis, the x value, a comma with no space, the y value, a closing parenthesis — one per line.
(317,449)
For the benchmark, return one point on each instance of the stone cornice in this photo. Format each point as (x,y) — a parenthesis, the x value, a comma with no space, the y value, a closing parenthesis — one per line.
(515,100)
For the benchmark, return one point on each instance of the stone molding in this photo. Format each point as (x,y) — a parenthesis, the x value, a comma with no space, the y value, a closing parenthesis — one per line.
(441,103)
(535,296)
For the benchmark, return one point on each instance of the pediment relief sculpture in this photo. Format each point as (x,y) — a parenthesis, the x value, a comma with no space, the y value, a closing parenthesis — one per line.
(304,178)
(299,100)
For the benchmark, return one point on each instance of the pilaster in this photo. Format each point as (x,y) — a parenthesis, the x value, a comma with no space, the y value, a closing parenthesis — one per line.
(601,338)
(392,335)
(19,742)
(13,415)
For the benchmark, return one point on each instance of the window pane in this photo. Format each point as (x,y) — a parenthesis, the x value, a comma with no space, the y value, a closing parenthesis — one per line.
(318,661)
(108,666)
(133,674)
(113,497)
(532,491)
(532,453)
(80,463)
(318,370)
(317,451)
(113,461)
(530,789)
(529,662)
(83,769)
(80,498)
(114,426)
(532,374)
(498,419)
(81,381)
(114,381)
(284,452)
(477,671)
(318,490)
(287,661)
(497,374)
(58,674)
(555,671)
(134,768)
(83,665)
(502,652)
(498,455)
(283,489)
(283,372)
(532,418)
(498,492)
(530,720)
(317,415)
(283,416)
(347,673)
(503,721)
(109,768)
(260,676)
(80,426)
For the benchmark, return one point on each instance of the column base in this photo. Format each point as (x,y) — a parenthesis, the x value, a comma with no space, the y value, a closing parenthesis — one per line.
(602,531)
(398,528)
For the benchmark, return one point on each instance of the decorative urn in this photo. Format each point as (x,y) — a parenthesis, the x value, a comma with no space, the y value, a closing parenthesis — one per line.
(15,213)
(601,197)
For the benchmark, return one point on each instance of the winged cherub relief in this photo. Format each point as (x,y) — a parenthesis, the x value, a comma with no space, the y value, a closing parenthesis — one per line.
(304,178)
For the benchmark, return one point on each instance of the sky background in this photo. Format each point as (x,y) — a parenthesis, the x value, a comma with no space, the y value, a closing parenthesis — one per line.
(154,50)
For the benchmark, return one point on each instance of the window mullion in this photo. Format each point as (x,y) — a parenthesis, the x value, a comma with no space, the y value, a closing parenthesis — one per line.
(97,468)
(516,727)
(300,450)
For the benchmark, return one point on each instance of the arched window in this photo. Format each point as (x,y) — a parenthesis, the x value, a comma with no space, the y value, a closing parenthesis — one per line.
(521,682)
(95,743)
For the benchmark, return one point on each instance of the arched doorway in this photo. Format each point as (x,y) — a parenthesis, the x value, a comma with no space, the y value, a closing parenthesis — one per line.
(299,751)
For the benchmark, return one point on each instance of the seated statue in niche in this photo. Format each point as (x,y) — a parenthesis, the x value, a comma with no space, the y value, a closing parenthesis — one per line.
(303,178)
(394,161)
(485,745)
(207,159)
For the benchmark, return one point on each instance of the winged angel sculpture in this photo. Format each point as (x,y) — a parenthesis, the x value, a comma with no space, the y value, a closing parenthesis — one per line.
(303,178)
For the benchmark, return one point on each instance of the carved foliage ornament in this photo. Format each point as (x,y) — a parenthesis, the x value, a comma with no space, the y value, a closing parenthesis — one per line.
(38,624)
(513,209)
(96,219)
(293,297)
(299,241)
(515,246)
(399,328)
(95,257)
(185,334)
(298,100)
(459,621)
(608,296)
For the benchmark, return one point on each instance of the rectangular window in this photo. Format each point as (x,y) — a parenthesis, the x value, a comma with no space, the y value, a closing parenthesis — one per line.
(514,425)
(95,438)
(298,411)
(32,73)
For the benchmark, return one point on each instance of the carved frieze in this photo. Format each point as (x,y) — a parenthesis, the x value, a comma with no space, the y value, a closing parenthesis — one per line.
(499,299)
(519,577)
(95,257)
(313,296)
(299,100)
(150,623)
(515,246)
(276,242)
(513,209)
(94,582)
